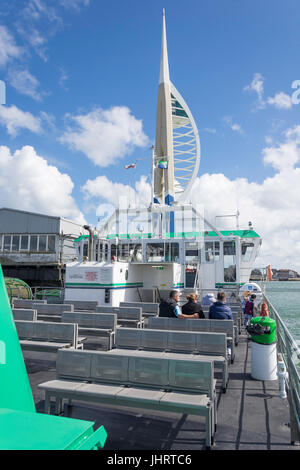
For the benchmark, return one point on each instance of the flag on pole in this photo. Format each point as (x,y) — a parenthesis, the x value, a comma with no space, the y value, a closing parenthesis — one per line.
(162,164)
(132,165)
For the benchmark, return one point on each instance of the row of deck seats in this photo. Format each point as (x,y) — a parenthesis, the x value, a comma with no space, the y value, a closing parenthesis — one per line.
(104,324)
(179,384)
(48,336)
(152,368)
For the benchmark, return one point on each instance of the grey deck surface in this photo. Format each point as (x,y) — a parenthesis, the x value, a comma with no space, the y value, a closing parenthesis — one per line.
(251,415)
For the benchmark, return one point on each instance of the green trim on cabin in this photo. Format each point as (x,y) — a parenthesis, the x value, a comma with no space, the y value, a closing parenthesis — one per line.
(96,284)
(226,233)
(228,284)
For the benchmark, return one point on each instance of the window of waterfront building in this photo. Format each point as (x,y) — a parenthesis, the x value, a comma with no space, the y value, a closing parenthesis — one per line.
(247,250)
(15,243)
(33,242)
(7,242)
(42,242)
(24,242)
(229,261)
(51,243)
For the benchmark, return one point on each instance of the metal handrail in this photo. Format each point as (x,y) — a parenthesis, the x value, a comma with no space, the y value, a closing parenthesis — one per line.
(290,352)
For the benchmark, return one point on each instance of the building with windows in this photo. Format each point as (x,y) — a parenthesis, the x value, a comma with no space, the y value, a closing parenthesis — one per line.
(36,247)
(284,274)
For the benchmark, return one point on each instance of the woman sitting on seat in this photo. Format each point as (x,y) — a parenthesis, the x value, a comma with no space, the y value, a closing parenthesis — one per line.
(192,307)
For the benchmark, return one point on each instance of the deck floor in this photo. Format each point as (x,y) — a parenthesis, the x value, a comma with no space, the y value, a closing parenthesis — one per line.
(251,414)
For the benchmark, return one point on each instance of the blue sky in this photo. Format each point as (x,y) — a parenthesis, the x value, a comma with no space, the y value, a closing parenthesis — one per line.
(72,65)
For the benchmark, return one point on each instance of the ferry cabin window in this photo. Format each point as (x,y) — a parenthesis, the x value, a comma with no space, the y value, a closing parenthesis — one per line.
(172,252)
(124,252)
(136,253)
(212,251)
(217,250)
(114,251)
(155,252)
(247,250)
(85,249)
(229,261)
(101,252)
(192,252)
(128,252)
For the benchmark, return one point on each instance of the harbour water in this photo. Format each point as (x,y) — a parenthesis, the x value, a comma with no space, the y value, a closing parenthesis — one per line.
(285,297)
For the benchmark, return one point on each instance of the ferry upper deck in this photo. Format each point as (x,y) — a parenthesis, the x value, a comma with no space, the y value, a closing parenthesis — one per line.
(251,414)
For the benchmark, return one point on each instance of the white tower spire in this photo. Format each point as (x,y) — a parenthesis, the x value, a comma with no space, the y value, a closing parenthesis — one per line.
(164,178)
(176,156)
(164,76)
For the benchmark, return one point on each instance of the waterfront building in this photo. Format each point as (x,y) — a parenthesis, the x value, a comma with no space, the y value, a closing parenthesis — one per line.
(35,247)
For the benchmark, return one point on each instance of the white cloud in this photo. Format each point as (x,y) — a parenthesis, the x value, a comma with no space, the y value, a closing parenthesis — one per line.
(257,86)
(105,136)
(25,83)
(38,20)
(281,101)
(74,4)
(272,206)
(28,182)
(109,195)
(210,130)
(63,78)
(15,119)
(8,48)
(233,126)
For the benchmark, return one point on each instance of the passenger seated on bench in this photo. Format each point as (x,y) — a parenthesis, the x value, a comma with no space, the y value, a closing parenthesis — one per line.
(169,308)
(220,311)
(192,306)
(208,300)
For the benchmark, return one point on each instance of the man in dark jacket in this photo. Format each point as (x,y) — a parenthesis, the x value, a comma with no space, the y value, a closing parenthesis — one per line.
(219,310)
(169,308)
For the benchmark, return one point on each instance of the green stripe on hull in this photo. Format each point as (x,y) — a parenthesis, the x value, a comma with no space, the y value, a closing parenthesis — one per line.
(229,284)
(94,284)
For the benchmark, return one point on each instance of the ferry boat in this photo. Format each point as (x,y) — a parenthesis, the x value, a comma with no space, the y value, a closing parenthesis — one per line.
(138,256)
